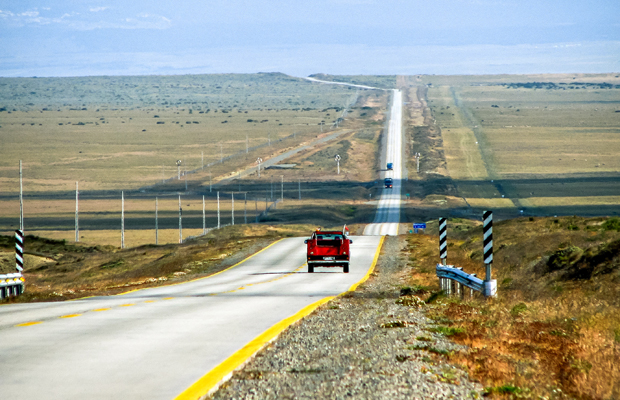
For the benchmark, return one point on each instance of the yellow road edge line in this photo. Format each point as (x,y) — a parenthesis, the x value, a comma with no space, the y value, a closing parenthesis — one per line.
(212,275)
(372,266)
(81,298)
(30,323)
(70,316)
(211,381)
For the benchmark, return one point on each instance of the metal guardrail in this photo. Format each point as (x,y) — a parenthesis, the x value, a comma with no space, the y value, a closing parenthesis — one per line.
(447,273)
(11,285)
(457,274)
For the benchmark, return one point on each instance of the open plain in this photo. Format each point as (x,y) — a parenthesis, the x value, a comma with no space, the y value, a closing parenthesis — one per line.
(539,150)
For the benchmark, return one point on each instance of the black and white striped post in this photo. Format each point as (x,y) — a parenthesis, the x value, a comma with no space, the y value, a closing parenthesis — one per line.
(19,250)
(490,285)
(443,250)
(19,259)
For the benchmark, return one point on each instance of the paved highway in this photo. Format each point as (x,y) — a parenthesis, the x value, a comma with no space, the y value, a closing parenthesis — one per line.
(387,217)
(159,343)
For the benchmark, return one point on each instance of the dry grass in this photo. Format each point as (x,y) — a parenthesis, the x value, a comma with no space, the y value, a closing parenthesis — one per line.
(550,333)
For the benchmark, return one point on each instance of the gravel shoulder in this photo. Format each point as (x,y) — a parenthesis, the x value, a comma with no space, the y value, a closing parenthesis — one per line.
(370,344)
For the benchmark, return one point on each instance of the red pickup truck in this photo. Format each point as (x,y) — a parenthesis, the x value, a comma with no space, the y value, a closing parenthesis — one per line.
(329,249)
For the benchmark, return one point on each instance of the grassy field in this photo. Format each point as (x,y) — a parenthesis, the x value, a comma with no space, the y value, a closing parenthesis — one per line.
(122,132)
(506,132)
(126,133)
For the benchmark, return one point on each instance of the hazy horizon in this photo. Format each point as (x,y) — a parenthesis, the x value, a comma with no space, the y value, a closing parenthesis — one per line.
(349,37)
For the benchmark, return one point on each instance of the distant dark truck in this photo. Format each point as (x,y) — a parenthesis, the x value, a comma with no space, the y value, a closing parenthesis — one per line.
(329,249)
(390,165)
(388,183)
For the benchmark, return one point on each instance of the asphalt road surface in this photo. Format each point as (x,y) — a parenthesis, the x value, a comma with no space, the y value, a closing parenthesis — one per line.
(161,343)
(387,217)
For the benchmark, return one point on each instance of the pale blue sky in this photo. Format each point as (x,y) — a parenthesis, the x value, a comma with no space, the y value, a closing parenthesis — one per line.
(110,37)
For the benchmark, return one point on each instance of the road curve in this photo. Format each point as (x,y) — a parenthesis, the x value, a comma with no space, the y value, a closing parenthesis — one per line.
(387,218)
(158,343)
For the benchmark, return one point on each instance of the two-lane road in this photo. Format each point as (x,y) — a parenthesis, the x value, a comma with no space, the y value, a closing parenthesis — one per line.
(387,218)
(156,343)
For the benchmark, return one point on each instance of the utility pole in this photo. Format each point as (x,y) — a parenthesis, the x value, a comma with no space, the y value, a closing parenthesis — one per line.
(417,161)
(156,223)
(218,210)
(337,158)
(122,219)
(204,217)
(232,196)
(259,161)
(180,222)
(21,199)
(77,226)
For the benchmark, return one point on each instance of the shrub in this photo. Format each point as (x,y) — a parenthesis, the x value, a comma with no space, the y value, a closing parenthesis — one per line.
(612,224)
(518,309)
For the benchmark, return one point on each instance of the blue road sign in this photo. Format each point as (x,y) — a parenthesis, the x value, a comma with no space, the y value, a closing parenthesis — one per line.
(419,226)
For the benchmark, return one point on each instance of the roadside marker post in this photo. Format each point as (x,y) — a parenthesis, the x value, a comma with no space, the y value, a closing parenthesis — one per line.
(490,285)
(232,196)
(77,226)
(21,198)
(122,219)
(204,217)
(443,250)
(19,250)
(180,221)
(218,210)
(156,223)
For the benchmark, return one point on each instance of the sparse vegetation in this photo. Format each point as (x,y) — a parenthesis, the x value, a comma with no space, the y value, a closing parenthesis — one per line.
(552,329)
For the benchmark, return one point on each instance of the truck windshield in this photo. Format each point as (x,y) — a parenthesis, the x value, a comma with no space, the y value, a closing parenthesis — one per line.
(329,236)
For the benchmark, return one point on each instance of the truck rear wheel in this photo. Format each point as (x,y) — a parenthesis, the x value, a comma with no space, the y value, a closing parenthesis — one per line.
(345,268)
(310,268)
